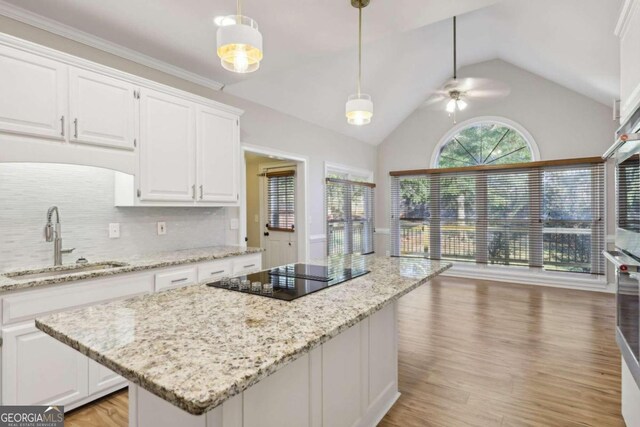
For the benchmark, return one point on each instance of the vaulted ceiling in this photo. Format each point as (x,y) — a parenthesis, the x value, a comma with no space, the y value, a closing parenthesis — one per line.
(310,47)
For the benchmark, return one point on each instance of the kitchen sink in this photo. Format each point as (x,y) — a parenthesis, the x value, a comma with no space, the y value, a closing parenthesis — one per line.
(62,270)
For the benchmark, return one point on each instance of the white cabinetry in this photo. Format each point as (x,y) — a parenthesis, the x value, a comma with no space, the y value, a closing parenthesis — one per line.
(102,379)
(350,380)
(167,152)
(180,149)
(628,30)
(33,97)
(38,370)
(101,110)
(218,151)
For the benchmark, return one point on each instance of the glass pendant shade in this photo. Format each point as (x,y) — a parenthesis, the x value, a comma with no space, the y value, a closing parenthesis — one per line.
(461,105)
(239,44)
(359,109)
(451,106)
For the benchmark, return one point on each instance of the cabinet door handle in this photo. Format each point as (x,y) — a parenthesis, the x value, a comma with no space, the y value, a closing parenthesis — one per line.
(250,265)
(193,191)
(184,279)
(62,126)
(201,193)
(75,124)
(216,272)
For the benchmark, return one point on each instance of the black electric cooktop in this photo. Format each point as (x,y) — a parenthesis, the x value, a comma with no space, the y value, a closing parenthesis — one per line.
(293,281)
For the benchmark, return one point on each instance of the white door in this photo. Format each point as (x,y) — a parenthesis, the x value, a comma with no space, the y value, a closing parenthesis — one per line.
(102,378)
(218,153)
(101,110)
(279,213)
(33,96)
(38,370)
(167,148)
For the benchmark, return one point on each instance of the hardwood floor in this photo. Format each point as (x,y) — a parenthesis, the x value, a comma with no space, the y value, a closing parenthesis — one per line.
(479,353)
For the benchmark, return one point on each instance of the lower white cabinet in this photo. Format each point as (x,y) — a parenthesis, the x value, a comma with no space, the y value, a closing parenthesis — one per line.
(38,370)
(102,379)
(247,264)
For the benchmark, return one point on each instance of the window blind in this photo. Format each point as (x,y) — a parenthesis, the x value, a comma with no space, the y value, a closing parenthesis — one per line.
(628,193)
(538,214)
(281,200)
(350,218)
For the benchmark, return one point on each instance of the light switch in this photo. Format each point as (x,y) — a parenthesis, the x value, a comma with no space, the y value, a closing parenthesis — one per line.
(114,230)
(162,228)
(256,218)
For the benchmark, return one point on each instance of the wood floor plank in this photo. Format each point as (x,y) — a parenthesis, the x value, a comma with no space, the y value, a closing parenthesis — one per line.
(479,354)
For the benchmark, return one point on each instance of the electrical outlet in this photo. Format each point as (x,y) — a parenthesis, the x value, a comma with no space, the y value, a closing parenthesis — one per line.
(114,230)
(162,228)
(234,224)
(387,253)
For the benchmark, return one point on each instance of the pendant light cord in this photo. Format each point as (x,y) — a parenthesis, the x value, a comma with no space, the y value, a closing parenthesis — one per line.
(359,46)
(455,51)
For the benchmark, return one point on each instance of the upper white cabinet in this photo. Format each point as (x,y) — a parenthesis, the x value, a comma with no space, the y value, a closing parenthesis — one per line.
(178,148)
(628,30)
(33,96)
(101,110)
(218,149)
(167,148)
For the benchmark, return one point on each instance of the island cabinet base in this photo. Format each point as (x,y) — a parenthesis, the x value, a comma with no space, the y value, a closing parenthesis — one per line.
(350,380)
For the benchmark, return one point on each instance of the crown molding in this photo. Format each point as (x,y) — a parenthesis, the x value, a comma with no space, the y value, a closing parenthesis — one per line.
(626,11)
(55,27)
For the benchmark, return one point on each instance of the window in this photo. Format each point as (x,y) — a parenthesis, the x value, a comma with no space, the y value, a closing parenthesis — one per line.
(537,214)
(281,200)
(628,194)
(350,221)
(484,143)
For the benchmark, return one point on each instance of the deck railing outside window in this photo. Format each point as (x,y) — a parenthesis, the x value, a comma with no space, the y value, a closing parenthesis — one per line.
(537,215)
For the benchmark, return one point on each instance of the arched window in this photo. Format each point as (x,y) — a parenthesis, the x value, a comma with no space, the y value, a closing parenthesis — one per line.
(485,141)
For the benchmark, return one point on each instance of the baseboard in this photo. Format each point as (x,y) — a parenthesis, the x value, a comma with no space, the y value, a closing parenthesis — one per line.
(527,277)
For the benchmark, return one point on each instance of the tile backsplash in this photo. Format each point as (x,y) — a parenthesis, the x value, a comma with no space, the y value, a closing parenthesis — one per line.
(85,198)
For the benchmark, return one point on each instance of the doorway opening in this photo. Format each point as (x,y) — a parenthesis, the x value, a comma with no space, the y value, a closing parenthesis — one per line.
(275,206)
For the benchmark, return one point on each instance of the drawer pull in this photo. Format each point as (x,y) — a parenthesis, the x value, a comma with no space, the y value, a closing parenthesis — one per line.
(216,272)
(250,265)
(184,279)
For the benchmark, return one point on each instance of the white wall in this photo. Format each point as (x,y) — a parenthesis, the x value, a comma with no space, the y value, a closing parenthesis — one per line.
(85,198)
(260,125)
(563,123)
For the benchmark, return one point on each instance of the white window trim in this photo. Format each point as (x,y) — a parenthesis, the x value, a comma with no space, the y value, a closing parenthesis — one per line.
(349,170)
(503,121)
(530,276)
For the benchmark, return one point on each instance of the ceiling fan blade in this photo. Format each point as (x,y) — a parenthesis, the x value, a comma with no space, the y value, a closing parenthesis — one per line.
(488,93)
(434,100)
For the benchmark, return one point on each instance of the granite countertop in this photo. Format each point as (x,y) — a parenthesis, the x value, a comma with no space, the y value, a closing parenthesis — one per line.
(197,346)
(129,264)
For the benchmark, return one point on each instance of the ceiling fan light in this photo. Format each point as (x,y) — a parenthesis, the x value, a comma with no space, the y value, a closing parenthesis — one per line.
(461,104)
(359,109)
(239,44)
(451,106)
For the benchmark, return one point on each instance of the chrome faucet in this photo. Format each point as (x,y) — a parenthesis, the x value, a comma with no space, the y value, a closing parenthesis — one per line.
(54,235)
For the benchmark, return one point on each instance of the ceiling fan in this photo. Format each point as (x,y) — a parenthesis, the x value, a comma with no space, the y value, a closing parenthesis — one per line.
(455,93)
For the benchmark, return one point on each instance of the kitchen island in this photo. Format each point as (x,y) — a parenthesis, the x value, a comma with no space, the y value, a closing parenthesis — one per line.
(202,356)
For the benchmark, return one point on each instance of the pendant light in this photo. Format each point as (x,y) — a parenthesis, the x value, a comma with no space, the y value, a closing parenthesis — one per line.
(239,42)
(359,108)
